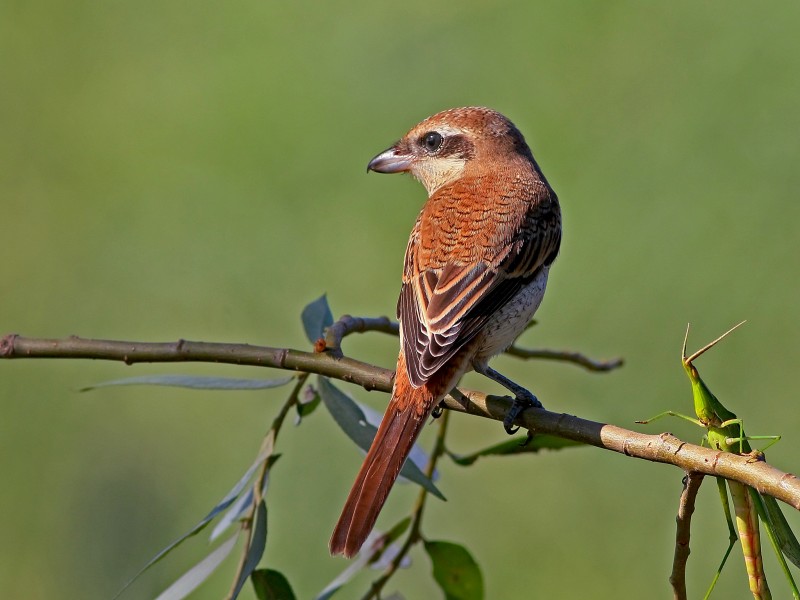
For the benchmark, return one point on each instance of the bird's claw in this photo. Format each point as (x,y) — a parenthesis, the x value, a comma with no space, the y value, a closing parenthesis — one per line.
(437,410)
(520,403)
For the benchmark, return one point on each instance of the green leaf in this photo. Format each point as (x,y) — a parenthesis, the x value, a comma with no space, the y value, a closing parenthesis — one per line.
(258,542)
(516,445)
(355,566)
(351,419)
(455,571)
(196,382)
(346,413)
(317,317)
(189,581)
(271,585)
(309,401)
(399,529)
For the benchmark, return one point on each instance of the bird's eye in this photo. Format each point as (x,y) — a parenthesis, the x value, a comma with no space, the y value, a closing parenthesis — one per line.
(432,141)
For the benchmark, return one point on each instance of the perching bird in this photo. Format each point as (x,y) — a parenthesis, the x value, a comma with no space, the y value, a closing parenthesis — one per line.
(475,272)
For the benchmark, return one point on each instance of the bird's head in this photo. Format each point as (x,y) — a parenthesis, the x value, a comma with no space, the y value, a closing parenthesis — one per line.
(453,143)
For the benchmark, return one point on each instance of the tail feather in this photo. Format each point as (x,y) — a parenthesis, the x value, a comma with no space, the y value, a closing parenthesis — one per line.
(399,429)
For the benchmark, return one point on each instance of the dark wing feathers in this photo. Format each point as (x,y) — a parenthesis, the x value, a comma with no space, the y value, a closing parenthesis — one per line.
(440,310)
(454,292)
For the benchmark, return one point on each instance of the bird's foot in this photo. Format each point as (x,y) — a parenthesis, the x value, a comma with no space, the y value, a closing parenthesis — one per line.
(438,409)
(524,399)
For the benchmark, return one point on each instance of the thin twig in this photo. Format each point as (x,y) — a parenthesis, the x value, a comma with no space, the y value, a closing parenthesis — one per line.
(369,376)
(663,448)
(348,324)
(566,356)
(293,400)
(691,485)
(414,534)
(258,485)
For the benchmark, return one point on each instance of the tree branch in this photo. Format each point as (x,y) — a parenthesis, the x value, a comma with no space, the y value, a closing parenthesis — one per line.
(348,324)
(370,377)
(664,448)
(691,485)
(565,356)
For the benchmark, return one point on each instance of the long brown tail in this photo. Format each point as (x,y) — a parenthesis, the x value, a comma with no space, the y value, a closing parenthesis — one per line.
(406,414)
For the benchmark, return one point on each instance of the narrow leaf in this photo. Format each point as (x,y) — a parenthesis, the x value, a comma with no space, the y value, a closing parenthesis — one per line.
(237,511)
(399,529)
(317,317)
(196,382)
(229,498)
(346,413)
(271,585)
(455,571)
(189,581)
(308,402)
(241,507)
(351,419)
(258,542)
(362,559)
(516,445)
(385,548)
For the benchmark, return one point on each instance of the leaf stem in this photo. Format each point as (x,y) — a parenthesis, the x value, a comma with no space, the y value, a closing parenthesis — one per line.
(267,447)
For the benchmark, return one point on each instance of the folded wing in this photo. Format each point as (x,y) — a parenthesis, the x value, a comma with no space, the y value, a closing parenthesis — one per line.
(442,307)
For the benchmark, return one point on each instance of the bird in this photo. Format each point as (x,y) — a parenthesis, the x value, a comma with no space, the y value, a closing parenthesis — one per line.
(475,272)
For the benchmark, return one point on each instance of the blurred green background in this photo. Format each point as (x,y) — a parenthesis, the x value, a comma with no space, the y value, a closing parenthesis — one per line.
(196,170)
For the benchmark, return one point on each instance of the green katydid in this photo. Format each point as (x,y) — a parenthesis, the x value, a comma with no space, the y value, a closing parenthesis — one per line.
(724,431)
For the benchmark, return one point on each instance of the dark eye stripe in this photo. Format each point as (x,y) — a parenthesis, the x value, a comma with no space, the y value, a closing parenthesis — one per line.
(457,146)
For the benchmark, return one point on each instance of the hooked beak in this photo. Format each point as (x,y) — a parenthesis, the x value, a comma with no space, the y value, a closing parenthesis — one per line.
(390,161)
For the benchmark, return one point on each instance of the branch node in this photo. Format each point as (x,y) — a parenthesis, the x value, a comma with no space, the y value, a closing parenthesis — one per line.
(282,354)
(625,448)
(715,462)
(7,345)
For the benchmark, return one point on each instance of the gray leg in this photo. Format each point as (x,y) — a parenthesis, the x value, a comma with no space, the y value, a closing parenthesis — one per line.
(437,410)
(522,398)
